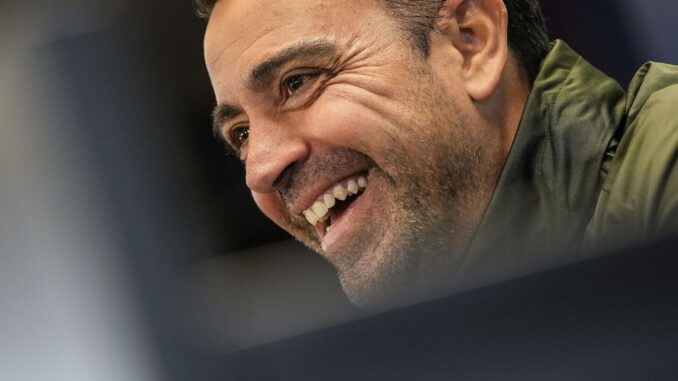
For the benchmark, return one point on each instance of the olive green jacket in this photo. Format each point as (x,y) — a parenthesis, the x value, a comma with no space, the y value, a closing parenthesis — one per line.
(591,168)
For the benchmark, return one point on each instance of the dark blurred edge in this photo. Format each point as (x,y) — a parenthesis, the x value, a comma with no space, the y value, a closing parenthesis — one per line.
(611,318)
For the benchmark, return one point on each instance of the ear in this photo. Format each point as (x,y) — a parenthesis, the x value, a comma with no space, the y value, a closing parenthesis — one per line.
(477,30)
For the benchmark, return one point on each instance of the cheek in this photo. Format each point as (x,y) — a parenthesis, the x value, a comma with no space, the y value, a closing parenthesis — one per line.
(375,126)
(351,122)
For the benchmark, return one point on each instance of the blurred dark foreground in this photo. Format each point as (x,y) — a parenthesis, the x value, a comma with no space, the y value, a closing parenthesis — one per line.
(611,318)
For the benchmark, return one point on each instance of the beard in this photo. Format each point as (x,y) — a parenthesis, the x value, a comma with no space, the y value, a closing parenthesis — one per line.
(430,200)
(429,227)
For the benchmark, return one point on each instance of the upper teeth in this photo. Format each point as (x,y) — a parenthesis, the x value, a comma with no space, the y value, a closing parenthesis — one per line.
(339,192)
(320,208)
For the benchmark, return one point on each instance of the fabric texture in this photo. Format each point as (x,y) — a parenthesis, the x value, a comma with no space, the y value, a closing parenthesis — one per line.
(591,168)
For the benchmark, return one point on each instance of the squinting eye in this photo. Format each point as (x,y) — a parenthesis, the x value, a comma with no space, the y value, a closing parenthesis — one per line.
(293,83)
(239,135)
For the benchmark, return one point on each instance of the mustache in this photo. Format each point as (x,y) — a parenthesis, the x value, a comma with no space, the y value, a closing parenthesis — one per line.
(318,167)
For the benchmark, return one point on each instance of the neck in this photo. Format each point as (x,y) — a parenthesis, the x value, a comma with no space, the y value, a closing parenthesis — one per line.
(504,108)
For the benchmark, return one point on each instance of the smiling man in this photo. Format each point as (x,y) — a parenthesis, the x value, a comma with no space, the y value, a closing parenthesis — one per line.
(425,145)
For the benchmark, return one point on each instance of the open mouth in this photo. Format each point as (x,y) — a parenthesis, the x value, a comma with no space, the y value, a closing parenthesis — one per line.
(331,205)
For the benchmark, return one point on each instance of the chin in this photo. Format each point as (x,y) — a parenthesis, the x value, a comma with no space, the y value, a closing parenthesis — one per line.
(399,275)
(380,278)
(374,296)
(398,261)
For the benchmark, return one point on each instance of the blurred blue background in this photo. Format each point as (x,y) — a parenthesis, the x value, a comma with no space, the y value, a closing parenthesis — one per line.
(130,247)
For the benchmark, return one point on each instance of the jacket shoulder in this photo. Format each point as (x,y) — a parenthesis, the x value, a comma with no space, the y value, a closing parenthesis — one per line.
(653,80)
(639,198)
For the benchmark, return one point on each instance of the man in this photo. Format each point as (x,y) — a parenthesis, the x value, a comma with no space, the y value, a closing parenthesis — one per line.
(431,145)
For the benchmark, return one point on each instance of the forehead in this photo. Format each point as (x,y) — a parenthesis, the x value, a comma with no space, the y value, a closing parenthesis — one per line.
(240,21)
(241,33)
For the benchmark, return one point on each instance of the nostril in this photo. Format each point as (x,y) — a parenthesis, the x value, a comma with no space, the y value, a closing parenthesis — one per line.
(284,177)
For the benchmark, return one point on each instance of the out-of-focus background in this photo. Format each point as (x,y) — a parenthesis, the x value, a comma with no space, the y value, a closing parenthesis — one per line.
(129,246)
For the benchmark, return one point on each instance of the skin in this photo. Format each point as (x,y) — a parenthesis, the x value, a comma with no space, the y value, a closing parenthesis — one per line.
(330,88)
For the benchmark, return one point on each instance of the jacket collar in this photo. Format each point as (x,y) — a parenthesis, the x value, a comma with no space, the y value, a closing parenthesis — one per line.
(548,187)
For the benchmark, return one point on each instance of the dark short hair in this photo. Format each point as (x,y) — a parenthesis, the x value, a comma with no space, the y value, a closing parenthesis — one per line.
(527,37)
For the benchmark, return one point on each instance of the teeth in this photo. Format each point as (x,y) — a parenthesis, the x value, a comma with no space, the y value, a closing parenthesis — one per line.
(329,200)
(311,217)
(340,192)
(352,187)
(327,229)
(319,209)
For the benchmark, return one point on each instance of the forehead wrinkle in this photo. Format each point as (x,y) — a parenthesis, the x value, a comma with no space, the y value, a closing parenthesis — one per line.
(264,73)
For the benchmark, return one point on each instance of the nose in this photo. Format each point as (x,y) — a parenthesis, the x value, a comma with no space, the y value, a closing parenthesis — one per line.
(273,153)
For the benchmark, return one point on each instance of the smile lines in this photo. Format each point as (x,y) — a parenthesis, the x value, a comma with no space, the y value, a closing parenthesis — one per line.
(319,211)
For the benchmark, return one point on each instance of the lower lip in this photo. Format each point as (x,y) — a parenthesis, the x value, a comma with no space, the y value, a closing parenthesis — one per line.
(344,227)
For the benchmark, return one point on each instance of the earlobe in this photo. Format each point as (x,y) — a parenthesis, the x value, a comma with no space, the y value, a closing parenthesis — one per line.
(478,31)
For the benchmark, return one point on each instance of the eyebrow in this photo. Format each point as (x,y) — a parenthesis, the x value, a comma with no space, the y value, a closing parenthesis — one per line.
(265,72)
(221,114)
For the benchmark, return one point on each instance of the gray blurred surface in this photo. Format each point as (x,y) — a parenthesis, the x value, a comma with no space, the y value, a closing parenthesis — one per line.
(69,310)
(262,295)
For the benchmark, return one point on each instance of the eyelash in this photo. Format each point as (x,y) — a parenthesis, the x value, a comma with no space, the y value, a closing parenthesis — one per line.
(285,90)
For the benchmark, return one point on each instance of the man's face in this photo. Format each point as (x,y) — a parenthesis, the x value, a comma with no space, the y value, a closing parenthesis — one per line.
(315,95)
